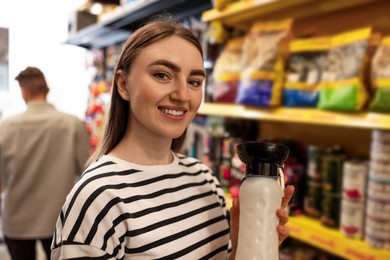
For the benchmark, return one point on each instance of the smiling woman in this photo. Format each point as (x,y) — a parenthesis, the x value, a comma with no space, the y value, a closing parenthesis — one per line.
(140,198)
(166,76)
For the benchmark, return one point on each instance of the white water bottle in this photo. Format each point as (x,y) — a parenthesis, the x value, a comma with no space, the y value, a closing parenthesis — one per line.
(260,196)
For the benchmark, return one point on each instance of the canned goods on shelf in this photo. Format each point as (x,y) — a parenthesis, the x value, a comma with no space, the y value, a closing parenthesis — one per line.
(330,210)
(332,170)
(381,136)
(352,218)
(381,157)
(354,182)
(313,199)
(315,154)
(378,209)
(381,176)
(377,224)
(378,190)
(380,166)
(380,147)
(286,253)
(304,253)
(377,242)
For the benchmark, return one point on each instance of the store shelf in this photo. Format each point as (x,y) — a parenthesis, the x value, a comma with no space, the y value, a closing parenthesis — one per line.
(118,28)
(311,18)
(247,11)
(366,120)
(312,232)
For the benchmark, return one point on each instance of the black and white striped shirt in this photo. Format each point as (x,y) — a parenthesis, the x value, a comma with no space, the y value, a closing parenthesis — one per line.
(120,210)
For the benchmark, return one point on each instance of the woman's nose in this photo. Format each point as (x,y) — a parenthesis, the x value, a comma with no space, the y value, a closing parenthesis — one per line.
(180,92)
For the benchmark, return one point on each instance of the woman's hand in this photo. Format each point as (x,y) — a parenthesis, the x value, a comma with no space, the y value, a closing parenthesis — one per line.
(283,231)
(282,214)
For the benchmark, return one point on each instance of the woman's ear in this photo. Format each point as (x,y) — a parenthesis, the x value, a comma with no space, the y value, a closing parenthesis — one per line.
(121,84)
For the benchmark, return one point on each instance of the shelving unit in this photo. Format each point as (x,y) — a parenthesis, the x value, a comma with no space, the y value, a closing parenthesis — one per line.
(299,115)
(312,18)
(120,27)
(312,232)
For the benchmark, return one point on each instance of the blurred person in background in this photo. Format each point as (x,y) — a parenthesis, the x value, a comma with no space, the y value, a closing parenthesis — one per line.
(42,151)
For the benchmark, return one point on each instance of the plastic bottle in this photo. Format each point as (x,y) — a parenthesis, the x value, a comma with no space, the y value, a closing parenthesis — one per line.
(260,196)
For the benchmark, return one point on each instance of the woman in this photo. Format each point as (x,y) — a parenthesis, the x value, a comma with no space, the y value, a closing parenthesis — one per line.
(141,199)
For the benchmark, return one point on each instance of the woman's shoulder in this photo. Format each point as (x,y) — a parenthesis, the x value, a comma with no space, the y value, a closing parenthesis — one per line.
(101,179)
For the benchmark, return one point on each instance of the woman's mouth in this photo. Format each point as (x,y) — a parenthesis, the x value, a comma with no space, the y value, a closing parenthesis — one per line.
(172,112)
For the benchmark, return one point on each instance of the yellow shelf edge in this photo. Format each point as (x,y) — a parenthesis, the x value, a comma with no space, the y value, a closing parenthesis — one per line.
(312,232)
(248,10)
(241,7)
(314,116)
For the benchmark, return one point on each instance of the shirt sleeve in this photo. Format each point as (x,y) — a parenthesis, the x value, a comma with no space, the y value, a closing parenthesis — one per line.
(78,251)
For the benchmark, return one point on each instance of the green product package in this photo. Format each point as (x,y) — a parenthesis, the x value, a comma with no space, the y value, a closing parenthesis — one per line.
(342,87)
(344,98)
(381,101)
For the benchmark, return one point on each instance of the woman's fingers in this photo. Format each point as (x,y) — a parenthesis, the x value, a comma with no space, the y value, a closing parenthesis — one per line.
(283,216)
(234,226)
(288,193)
(283,233)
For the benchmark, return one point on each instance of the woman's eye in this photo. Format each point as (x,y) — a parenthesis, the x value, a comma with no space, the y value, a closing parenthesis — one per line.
(161,75)
(195,83)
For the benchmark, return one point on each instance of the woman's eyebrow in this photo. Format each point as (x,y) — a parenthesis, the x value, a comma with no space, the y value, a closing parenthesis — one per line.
(166,63)
(198,73)
(175,67)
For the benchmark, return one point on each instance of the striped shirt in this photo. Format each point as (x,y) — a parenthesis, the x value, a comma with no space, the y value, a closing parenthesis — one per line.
(121,210)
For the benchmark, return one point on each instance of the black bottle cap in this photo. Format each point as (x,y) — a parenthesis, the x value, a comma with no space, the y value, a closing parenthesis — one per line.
(262,158)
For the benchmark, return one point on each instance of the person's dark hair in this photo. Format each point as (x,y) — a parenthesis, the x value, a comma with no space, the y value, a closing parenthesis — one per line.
(118,114)
(33,80)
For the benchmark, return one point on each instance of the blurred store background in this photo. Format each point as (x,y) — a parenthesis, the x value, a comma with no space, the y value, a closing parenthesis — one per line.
(313,75)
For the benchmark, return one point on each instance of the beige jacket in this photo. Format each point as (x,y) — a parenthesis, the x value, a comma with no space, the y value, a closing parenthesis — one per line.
(41,153)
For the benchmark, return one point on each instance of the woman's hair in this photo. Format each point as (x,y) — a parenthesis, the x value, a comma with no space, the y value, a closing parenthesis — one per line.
(118,113)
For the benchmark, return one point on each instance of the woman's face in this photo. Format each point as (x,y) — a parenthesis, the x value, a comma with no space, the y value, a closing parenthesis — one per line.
(164,87)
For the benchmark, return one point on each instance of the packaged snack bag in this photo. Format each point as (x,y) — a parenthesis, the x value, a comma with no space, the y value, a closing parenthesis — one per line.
(380,76)
(304,71)
(217,33)
(263,59)
(342,86)
(226,73)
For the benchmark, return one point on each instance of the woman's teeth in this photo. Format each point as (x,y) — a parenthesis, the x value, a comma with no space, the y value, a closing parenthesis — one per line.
(172,112)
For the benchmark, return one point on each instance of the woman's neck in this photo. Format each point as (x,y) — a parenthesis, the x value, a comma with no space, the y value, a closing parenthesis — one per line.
(143,150)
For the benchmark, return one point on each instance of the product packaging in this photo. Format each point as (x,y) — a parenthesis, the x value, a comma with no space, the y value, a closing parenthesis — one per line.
(263,58)
(226,74)
(380,75)
(305,66)
(342,87)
